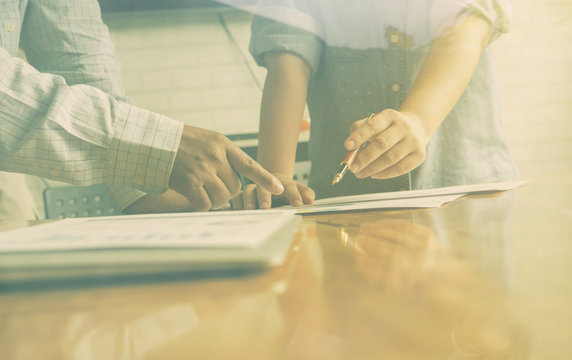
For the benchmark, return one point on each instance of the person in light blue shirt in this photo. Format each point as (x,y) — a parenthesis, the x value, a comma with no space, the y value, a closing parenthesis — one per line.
(422,67)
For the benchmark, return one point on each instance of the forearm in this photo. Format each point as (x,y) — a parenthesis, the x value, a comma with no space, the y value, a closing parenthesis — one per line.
(446,72)
(282,110)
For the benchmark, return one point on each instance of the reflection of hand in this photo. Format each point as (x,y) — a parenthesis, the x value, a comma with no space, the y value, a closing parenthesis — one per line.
(206,167)
(397,142)
(394,252)
(295,193)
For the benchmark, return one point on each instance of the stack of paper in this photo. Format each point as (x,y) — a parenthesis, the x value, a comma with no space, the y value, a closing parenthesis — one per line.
(424,198)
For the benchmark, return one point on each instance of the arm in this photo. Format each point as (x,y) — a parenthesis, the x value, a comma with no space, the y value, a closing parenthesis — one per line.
(282,110)
(69,39)
(79,134)
(281,114)
(398,138)
(446,71)
(77,98)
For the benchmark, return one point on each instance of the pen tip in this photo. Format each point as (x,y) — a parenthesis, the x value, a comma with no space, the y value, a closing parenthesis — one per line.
(336,180)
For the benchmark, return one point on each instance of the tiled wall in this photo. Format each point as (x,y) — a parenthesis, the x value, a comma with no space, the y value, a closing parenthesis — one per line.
(535,62)
(184,64)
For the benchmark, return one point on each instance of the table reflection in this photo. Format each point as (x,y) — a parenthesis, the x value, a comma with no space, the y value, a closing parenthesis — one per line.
(403,286)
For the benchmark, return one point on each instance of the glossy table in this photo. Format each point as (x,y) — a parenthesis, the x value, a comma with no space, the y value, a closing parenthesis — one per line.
(485,277)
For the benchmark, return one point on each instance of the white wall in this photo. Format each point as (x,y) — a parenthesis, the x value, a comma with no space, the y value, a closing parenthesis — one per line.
(535,62)
(183,64)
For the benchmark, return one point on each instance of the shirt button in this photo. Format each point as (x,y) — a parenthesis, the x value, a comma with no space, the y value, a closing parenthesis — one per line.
(55,172)
(395,87)
(137,180)
(10,27)
(394,39)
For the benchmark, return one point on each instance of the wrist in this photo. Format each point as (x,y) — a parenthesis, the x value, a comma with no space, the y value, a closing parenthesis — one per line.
(426,121)
(419,123)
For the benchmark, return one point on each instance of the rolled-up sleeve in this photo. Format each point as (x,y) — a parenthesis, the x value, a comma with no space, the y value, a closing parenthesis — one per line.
(282,26)
(497,12)
(447,13)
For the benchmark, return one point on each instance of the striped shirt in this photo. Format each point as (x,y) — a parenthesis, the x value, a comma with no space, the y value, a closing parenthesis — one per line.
(63,113)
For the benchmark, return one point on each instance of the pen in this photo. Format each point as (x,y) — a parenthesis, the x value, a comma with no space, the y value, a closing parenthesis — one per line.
(345,165)
(348,161)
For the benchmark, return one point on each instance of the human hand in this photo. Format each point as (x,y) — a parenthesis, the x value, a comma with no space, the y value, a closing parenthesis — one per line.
(396,144)
(206,167)
(169,201)
(253,196)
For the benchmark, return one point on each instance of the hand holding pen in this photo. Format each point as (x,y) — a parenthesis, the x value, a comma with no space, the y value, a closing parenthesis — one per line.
(348,161)
(396,144)
(346,164)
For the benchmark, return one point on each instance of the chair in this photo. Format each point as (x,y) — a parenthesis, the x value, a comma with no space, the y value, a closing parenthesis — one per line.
(78,201)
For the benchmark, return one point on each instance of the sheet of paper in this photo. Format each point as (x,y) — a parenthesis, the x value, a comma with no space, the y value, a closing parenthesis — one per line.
(408,194)
(407,203)
(224,229)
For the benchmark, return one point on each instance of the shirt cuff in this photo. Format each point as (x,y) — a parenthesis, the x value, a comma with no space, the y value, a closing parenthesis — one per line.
(445,14)
(124,196)
(497,12)
(273,36)
(143,149)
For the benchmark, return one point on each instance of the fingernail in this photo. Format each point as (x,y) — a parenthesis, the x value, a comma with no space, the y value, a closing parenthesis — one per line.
(297,203)
(265,205)
(350,144)
(355,168)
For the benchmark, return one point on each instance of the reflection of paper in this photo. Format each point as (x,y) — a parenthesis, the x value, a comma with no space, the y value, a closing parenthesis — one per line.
(137,336)
(449,190)
(239,229)
(407,203)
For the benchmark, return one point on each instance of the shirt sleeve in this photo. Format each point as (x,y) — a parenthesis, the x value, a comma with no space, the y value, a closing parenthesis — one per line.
(497,12)
(80,134)
(69,39)
(447,13)
(286,26)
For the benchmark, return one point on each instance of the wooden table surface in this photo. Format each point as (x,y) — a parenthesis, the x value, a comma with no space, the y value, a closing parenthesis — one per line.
(485,277)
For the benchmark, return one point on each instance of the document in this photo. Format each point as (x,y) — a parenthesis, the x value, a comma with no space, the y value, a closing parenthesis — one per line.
(79,252)
(423,198)
(224,229)
(405,203)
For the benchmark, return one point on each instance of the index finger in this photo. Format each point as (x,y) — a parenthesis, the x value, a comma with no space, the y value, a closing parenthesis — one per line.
(375,124)
(245,165)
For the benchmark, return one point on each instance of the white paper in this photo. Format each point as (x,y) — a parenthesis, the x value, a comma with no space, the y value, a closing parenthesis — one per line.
(407,203)
(449,190)
(228,229)
(424,198)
